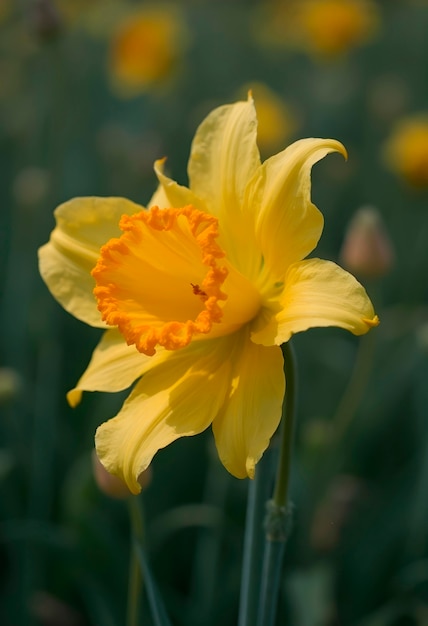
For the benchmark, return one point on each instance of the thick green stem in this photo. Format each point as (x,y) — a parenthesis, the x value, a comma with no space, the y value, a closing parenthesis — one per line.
(278,517)
(258,492)
(272,567)
(134,586)
(280,496)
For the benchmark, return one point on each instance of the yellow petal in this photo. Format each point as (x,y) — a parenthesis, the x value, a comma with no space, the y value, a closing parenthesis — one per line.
(159,198)
(223,158)
(252,412)
(171,194)
(288,225)
(83,225)
(113,367)
(178,398)
(316,293)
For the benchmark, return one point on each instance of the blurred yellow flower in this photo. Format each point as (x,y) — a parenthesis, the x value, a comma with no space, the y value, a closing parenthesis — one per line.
(406,151)
(145,48)
(330,28)
(198,292)
(276,121)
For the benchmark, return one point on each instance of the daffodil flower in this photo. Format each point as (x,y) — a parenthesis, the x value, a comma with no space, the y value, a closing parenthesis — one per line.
(145,48)
(198,292)
(331,28)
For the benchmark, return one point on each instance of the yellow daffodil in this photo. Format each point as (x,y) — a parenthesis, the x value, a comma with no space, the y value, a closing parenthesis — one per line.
(145,48)
(197,293)
(406,150)
(328,28)
(335,26)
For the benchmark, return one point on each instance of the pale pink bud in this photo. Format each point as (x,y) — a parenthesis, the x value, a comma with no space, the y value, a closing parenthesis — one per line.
(367,250)
(113,486)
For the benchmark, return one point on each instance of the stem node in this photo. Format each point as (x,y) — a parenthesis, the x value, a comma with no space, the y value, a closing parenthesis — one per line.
(278,521)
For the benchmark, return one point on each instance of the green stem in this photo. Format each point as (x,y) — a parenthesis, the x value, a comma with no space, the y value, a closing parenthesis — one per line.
(278,517)
(271,576)
(134,586)
(280,496)
(135,577)
(258,490)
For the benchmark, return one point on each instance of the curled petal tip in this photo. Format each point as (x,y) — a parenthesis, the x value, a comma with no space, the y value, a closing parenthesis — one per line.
(373,322)
(73,397)
(338,146)
(158,167)
(159,163)
(343,151)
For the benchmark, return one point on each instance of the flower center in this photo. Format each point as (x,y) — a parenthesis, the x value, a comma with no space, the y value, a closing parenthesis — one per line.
(159,282)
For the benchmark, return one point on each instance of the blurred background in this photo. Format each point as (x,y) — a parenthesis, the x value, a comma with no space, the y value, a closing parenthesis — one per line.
(91,93)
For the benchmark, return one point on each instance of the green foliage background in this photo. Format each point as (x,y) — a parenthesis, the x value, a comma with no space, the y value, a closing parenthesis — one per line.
(358,554)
